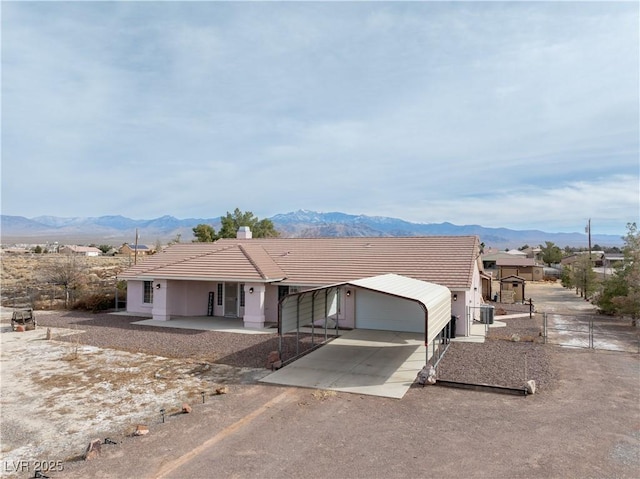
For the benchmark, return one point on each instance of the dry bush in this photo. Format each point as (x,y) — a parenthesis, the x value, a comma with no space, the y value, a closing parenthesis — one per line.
(24,280)
(95,302)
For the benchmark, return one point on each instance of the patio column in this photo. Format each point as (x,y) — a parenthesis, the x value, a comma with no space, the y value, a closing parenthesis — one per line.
(254,294)
(160,309)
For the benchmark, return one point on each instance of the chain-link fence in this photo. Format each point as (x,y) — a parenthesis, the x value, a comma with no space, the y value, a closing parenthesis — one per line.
(591,331)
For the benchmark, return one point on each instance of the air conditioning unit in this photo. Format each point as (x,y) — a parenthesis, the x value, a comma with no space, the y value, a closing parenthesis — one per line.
(486,313)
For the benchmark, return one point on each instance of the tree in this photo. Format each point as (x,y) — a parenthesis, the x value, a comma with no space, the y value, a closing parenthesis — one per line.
(259,228)
(583,277)
(620,293)
(105,248)
(204,234)
(66,271)
(567,277)
(551,254)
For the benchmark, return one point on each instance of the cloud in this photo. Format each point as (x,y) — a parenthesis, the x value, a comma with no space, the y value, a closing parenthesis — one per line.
(420,110)
(611,203)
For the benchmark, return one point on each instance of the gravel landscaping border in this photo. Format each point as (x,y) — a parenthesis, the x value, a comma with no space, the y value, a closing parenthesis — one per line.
(105,330)
(498,361)
(510,356)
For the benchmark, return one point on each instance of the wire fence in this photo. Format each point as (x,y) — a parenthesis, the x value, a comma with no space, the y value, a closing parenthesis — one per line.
(598,332)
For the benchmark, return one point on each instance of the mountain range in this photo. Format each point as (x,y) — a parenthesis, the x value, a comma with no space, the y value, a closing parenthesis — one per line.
(116,230)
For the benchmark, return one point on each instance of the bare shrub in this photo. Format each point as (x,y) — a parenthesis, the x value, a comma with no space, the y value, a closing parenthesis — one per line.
(95,302)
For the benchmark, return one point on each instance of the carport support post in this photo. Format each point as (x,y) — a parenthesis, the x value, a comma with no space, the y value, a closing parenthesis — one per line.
(434,360)
(298,324)
(326,299)
(313,310)
(280,329)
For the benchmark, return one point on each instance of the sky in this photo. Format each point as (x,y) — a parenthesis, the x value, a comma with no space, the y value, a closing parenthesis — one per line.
(522,115)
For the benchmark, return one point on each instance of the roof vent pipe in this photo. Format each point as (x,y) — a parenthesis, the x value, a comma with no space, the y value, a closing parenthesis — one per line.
(244,232)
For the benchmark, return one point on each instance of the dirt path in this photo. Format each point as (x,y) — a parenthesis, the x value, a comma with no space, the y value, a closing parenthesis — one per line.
(574,322)
(553,298)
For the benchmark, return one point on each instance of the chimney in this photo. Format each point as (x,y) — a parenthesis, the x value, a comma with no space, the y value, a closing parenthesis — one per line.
(244,232)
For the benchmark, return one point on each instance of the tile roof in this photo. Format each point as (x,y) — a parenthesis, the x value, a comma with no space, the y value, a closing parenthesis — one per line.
(445,260)
(517,261)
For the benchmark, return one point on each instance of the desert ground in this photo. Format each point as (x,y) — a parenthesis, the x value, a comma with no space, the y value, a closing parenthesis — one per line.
(58,394)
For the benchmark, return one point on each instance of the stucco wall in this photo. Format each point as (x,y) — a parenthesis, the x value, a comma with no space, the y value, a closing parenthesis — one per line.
(189,298)
(271,304)
(135,293)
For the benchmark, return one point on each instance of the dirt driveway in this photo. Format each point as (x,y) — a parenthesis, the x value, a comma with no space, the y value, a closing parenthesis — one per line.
(585,424)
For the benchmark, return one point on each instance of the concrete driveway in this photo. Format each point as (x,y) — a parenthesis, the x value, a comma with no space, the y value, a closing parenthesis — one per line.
(362,361)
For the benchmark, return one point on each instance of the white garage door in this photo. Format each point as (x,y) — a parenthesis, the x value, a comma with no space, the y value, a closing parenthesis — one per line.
(388,313)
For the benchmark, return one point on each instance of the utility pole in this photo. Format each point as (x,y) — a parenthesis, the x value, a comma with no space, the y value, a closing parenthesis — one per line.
(135,251)
(590,265)
(588,229)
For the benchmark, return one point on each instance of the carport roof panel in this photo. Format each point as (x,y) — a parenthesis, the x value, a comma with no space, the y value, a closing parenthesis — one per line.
(429,294)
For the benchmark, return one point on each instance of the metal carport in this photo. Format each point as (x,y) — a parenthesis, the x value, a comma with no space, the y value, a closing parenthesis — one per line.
(402,315)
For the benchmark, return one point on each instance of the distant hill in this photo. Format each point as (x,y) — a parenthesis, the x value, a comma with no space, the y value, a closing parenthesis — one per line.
(116,230)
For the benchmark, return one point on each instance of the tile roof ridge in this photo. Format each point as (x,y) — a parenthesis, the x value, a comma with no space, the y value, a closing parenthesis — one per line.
(253,262)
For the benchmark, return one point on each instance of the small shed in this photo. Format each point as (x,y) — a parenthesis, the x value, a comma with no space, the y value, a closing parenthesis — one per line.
(512,289)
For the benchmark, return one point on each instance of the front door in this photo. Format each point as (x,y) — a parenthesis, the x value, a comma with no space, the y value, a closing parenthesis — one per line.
(231,299)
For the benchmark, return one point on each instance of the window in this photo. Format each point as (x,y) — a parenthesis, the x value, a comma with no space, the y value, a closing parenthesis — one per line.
(147,296)
(219,294)
(242,295)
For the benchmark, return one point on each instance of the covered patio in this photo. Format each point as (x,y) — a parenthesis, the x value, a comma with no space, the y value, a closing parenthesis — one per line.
(207,323)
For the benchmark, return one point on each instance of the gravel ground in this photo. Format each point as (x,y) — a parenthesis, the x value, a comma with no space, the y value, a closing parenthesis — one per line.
(118,332)
(498,361)
(501,361)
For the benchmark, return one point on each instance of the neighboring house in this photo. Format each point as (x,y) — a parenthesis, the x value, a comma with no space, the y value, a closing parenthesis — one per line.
(607,264)
(80,250)
(247,278)
(489,260)
(597,258)
(612,260)
(535,253)
(130,249)
(523,267)
(492,262)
